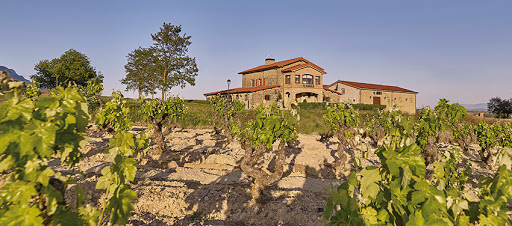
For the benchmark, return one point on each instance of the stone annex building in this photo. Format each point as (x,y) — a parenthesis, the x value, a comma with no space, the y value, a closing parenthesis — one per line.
(299,80)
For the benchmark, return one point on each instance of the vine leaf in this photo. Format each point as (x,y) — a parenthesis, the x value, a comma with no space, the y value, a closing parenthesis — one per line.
(369,180)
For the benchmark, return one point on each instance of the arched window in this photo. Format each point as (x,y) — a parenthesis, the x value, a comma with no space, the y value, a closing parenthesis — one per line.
(307,79)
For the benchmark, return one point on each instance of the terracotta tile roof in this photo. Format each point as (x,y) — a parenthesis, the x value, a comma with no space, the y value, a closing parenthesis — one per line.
(279,64)
(242,90)
(304,65)
(325,87)
(361,85)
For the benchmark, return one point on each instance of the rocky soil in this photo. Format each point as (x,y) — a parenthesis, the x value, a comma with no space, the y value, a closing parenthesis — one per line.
(198,181)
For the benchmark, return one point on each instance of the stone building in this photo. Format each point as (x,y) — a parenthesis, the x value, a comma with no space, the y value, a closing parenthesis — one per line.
(365,93)
(298,80)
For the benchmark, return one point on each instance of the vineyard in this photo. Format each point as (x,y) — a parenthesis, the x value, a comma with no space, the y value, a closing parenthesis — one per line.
(73,158)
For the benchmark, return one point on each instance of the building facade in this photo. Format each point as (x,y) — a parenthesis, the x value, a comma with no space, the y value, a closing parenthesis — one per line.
(366,93)
(298,80)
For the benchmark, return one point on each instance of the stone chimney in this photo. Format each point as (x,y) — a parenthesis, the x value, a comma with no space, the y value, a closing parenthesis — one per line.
(269,60)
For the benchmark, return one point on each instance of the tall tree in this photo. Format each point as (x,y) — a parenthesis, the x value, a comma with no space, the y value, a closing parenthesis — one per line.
(72,66)
(501,107)
(176,67)
(141,71)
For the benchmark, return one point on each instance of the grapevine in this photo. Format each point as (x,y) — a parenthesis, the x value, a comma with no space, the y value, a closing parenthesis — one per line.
(156,112)
(398,193)
(225,112)
(257,137)
(113,115)
(31,132)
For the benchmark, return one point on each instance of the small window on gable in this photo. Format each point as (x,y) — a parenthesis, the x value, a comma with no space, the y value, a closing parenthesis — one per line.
(287,79)
(267,97)
(342,90)
(317,80)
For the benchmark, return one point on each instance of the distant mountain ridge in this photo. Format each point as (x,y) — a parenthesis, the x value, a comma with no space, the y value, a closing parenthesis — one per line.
(13,74)
(476,107)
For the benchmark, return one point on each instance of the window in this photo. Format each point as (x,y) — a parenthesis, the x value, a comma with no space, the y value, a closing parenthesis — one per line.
(263,81)
(287,79)
(317,80)
(297,78)
(378,93)
(259,82)
(253,82)
(307,79)
(267,97)
(342,90)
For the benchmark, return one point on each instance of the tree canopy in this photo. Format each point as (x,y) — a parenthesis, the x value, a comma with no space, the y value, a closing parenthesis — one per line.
(176,67)
(162,66)
(141,71)
(72,66)
(500,107)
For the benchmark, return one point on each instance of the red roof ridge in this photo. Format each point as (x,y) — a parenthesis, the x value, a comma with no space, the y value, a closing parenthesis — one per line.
(373,86)
(279,64)
(304,65)
(325,87)
(243,90)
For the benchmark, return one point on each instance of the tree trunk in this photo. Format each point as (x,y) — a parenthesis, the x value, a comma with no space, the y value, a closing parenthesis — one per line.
(215,128)
(226,131)
(431,150)
(342,152)
(99,100)
(261,178)
(140,93)
(485,155)
(164,84)
(159,138)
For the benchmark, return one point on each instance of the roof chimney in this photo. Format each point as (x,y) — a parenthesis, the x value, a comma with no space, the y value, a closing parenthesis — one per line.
(269,60)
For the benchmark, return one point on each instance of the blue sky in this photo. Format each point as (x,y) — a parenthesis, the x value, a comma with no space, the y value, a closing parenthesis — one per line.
(459,50)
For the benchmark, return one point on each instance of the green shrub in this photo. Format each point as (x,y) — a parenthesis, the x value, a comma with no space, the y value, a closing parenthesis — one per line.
(323,106)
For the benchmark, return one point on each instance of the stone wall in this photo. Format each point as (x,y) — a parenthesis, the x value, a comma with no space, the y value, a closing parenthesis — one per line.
(351,95)
(270,76)
(258,97)
(331,97)
(404,101)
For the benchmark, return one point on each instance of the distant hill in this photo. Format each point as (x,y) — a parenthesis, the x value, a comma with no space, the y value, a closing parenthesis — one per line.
(476,107)
(13,74)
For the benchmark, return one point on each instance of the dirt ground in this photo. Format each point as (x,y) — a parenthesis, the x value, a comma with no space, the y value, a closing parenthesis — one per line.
(198,181)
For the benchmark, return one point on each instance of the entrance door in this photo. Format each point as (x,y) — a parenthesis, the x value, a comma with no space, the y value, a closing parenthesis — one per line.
(376,100)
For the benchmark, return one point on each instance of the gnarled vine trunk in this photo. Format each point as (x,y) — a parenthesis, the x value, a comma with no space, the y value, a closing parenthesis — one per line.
(431,150)
(158,137)
(485,155)
(344,153)
(261,178)
(215,126)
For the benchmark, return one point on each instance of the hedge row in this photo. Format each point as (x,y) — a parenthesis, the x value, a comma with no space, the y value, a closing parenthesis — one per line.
(323,106)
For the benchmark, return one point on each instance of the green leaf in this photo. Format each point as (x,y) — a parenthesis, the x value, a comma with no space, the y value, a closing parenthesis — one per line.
(369,186)
(18,215)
